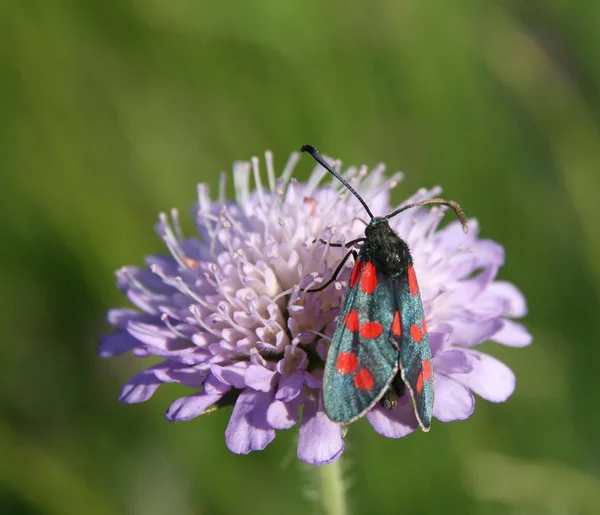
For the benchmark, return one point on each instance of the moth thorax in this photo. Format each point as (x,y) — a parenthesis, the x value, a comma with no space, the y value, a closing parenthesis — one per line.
(387,247)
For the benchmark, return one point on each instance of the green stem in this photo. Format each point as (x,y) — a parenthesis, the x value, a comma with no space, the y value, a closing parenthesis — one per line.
(332,495)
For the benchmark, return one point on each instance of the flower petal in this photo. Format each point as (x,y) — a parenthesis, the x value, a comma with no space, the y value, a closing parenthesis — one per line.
(119,317)
(231,374)
(469,334)
(115,344)
(452,400)
(186,408)
(290,386)
(320,440)
(140,387)
(248,429)
(440,338)
(513,334)
(453,362)
(508,291)
(395,423)
(259,378)
(490,378)
(283,415)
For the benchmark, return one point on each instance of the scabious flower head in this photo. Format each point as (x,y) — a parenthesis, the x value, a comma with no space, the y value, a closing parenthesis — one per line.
(228,314)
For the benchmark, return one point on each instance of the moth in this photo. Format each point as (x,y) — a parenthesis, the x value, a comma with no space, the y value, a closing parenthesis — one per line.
(380,346)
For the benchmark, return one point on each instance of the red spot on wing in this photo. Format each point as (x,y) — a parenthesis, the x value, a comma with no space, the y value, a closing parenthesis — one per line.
(347,363)
(397,325)
(371,330)
(412,281)
(420,382)
(416,333)
(363,380)
(424,325)
(369,279)
(426,370)
(356,273)
(351,320)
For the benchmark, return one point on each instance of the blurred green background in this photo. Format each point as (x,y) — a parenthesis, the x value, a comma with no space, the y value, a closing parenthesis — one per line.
(113,111)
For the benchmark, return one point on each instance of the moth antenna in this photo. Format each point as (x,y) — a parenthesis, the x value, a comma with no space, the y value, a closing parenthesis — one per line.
(319,159)
(450,203)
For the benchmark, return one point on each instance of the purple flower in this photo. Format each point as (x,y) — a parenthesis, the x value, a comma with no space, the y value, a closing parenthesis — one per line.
(229,315)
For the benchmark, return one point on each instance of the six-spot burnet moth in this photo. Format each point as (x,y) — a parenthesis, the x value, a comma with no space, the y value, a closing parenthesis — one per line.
(380,345)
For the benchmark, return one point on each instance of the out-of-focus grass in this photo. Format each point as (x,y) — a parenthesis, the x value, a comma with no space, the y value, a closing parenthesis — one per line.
(113,111)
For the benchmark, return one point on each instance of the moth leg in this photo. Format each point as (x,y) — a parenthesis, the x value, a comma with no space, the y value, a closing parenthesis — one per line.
(337,271)
(347,245)
(396,390)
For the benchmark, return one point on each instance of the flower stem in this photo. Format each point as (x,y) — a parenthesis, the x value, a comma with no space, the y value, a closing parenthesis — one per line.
(333,496)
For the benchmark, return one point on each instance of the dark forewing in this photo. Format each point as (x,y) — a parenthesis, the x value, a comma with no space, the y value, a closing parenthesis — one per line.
(361,363)
(409,335)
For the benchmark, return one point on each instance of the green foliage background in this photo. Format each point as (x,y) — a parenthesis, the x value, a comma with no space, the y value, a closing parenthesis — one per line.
(113,111)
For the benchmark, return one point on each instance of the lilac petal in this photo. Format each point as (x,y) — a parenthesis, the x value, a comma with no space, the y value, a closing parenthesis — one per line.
(141,351)
(513,334)
(120,316)
(483,254)
(452,400)
(453,362)
(439,338)
(213,385)
(259,378)
(468,334)
(248,429)
(194,356)
(143,301)
(187,408)
(313,380)
(290,387)
(471,289)
(449,237)
(319,439)
(156,336)
(283,415)
(115,344)
(395,423)
(193,377)
(140,387)
(232,375)
(490,378)
(504,290)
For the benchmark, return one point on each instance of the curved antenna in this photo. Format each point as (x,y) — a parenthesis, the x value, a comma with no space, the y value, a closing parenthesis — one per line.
(319,159)
(450,203)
